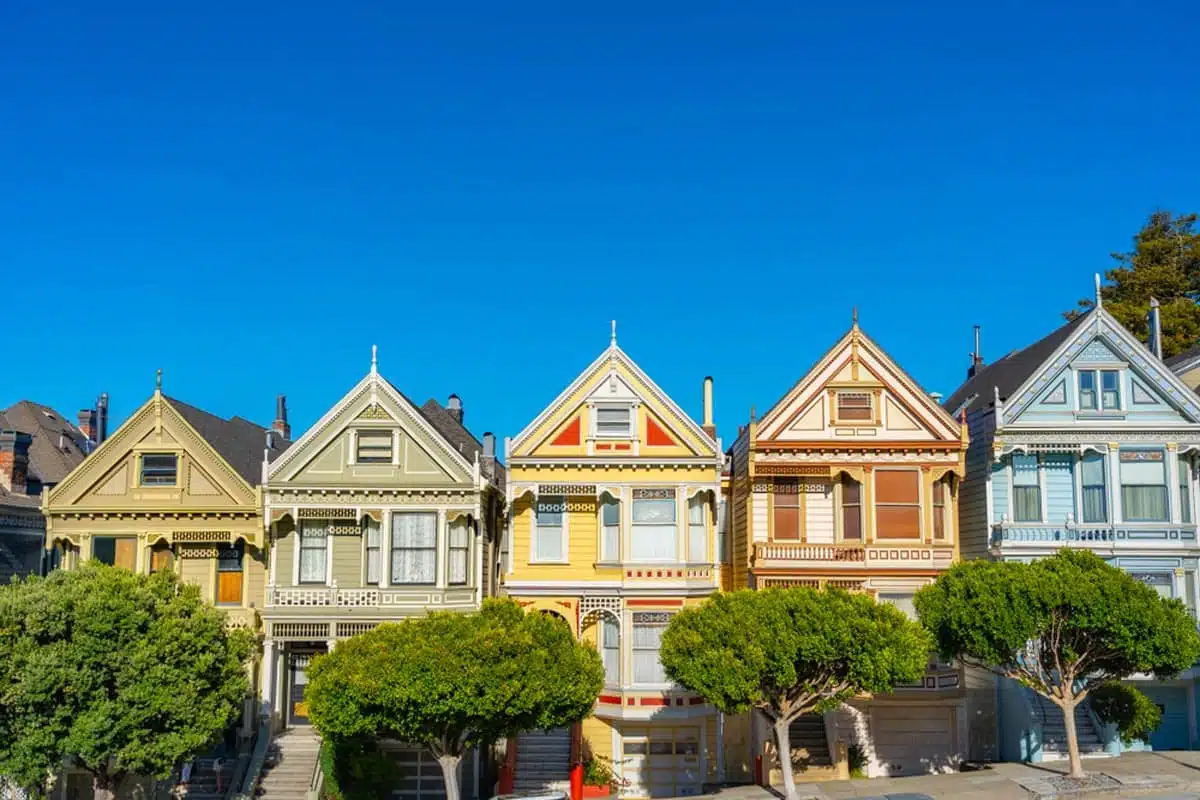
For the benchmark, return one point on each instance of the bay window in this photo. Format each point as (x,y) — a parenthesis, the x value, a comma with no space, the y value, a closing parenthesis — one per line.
(458,566)
(549,515)
(897,504)
(1027,489)
(314,550)
(610,649)
(1093,479)
(655,531)
(1144,486)
(697,530)
(786,514)
(414,547)
(648,628)
(610,530)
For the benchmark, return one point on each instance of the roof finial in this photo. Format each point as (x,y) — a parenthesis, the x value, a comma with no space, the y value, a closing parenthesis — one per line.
(158,381)
(1099,299)
(614,333)
(374,359)
(854,316)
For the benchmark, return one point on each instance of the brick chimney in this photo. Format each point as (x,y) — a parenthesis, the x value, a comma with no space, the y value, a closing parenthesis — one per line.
(455,407)
(87,423)
(280,425)
(14,460)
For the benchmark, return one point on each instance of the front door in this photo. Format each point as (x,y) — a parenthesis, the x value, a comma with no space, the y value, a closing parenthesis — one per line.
(297,682)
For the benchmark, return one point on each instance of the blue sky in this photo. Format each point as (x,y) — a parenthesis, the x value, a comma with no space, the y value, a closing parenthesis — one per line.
(250,199)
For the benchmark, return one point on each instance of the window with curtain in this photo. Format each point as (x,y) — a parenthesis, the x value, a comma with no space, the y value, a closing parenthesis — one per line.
(458,567)
(610,530)
(1143,486)
(614,421)
(1027,489)
(655,532)
(374,447)
(374,551)
(898,504)
(610,649)
(854,406)
(697,531)
(939,511)
(1110,389)
(549,513)
(1087,391)
(647,631)
(414,547)
(314,551)
(1093,479)
(1185,489)
(785,523)
(722,531)
(851,509)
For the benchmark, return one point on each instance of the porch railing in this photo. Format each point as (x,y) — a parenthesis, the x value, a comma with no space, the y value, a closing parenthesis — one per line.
(776,551)
(334,597)
(1134,533)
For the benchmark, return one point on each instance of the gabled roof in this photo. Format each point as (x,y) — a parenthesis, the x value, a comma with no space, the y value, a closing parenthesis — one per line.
(240,442)
(58,446)
(1185,361)
(1009,372)
(453,431)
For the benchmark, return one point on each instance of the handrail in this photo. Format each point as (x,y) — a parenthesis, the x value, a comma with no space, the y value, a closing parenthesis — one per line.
(317,782)
(258,758)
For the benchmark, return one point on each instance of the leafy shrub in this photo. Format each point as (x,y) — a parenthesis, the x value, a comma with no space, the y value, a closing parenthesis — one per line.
(1120,704)
(357,770)
(858,761)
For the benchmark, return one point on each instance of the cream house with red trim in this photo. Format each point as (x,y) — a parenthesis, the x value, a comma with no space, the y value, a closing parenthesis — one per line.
(852,480)
(613,494)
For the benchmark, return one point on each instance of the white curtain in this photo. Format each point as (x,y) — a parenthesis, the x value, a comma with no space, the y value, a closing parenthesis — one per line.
(374,562)
(610,648)
(313,550)
(1093,477)
(610,530)
(646,666)
(1027,493)
(548,528)
(1143,490)
(697,532)
(459,552)
(654,535)
(414,548)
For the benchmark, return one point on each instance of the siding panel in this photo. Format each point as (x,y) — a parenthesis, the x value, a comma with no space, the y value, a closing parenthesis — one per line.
(347,561)
(973,519)
(818,518)
(285,548)
(1060,487)
(199,572)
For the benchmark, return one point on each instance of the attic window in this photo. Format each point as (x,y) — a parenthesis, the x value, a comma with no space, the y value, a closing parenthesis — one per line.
(613,421)
(159,469)
(374,447)
(854,406)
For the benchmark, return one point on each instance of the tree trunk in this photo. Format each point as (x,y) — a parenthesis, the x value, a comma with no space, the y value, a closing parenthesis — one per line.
(449,766)
(783,743)
(1068,709)
(103,788)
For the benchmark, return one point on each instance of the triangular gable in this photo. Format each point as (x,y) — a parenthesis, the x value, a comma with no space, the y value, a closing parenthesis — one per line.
(109,477)
(899,408)
(327,453)
(563,427)
(1099,340)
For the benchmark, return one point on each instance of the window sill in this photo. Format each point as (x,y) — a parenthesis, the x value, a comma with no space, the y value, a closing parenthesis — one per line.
(546,562)
(1100,415)
(407,585)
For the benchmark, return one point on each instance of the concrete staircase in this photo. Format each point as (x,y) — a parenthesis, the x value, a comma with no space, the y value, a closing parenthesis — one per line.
(810,747)
(290,765)
(1054,731)
(543,761)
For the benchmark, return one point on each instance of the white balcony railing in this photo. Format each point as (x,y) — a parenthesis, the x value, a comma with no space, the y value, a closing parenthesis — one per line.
(369,597)
(1085,534)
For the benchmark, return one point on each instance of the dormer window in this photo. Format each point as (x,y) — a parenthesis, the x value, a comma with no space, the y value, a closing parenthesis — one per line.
(1099,390)
(854,406)
(614,422)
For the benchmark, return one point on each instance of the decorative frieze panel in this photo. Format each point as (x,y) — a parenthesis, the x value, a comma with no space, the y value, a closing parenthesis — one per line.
(372,497)
(813,471)
(797,487)
(567,489)
(302,631)
(180,537)
(835,459)
(326,513)
(198,551)
(653,494)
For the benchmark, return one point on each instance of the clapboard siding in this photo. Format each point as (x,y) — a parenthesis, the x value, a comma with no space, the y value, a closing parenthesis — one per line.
(972,508)
(1060,487)
(818,517)
(347,560)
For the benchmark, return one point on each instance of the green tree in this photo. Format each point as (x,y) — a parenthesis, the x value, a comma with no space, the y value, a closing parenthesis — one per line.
(1164,264)
(1062,626)
(1135,715)
(126,674)
(448,681)
(787,652)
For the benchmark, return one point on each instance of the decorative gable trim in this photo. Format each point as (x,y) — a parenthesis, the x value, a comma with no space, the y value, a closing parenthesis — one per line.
(1125,345)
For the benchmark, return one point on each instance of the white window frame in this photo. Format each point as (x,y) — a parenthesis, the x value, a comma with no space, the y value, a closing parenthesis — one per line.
(367,521)
(1120,486)
(380,433)
(607,622)
(534,556)
(630,408)
(633,678)
(296,556)
(1097,372)
(1183,480)
(175,483)
(438,544)
(697,500)
(460,523)
(604,557)
(676,543)
(1012,489)
(837,407)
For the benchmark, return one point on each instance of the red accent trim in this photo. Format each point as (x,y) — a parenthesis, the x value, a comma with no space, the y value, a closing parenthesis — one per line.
(610,699)
(629,701)
(508,770)
(655,603)
(603,446)
(620,446)
(654,701)
(570,434)
(656,436)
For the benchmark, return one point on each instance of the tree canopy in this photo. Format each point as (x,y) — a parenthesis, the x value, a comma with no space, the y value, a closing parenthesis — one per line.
(1062,626)
(128,674)
(787,652)
(1164,264)
(447,681)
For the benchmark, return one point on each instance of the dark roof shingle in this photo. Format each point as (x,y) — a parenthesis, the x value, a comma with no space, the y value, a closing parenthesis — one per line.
(457,435)
(58,446)
(239,441)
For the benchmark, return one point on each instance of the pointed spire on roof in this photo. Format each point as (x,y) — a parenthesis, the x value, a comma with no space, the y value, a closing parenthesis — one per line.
(158,382)
(854,317)
(1099,299)
(374,359)
(613,340)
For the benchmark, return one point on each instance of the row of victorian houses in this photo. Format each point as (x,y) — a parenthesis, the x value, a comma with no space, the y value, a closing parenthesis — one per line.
(614,508)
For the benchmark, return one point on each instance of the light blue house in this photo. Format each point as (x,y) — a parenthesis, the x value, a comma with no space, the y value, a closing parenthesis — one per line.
(1083,439)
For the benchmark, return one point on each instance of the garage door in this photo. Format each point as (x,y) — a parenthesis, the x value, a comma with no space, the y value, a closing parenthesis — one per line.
(914,740)
(661,762)
(420,775)
(1172,733)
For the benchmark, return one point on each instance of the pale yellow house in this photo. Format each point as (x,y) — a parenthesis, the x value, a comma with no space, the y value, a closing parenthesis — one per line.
(174,488)
(613,494)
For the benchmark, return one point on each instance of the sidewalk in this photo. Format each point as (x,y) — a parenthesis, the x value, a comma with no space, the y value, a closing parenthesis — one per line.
(1166,775)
